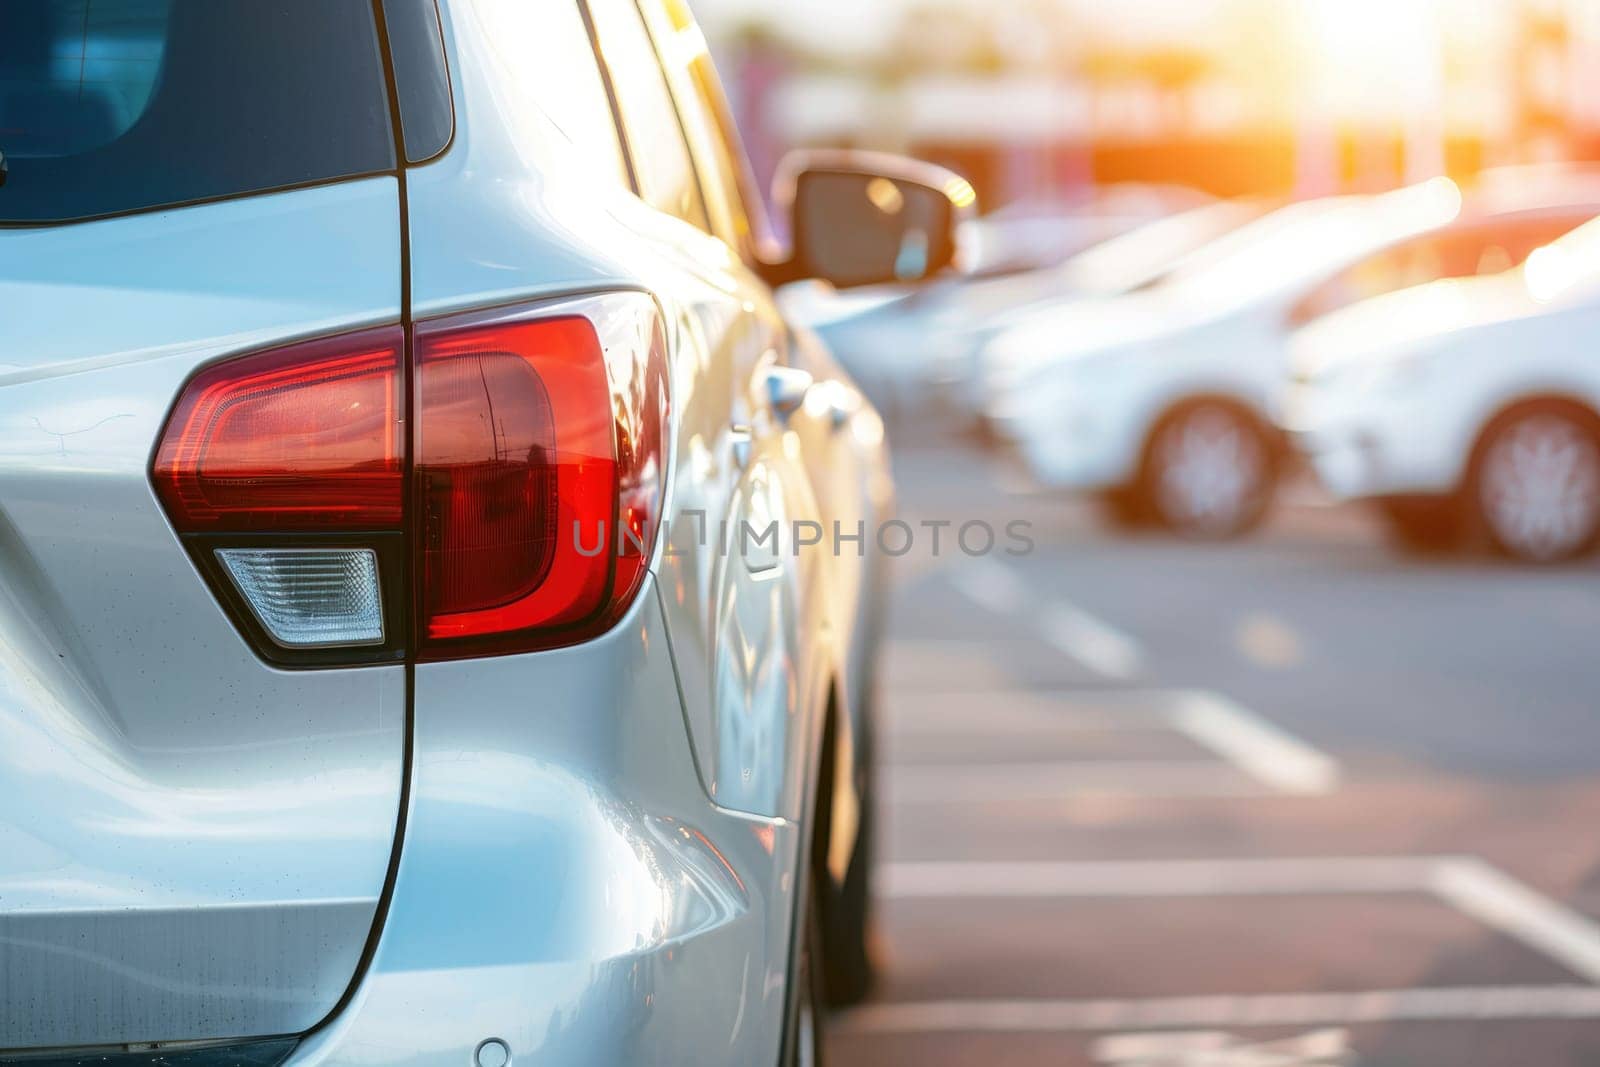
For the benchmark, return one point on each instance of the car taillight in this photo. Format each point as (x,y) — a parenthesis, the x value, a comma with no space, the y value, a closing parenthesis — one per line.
(537,447)
(515,461)
(300,438)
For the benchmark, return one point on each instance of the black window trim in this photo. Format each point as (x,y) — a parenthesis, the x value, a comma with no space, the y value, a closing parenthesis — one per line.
(400,164)
(203,201)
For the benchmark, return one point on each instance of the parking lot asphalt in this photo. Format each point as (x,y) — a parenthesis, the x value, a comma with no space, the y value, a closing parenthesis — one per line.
(1300,799)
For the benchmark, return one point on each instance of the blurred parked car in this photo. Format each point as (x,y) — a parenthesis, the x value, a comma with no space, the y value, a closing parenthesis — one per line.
(1472,401)
(1039,233)
(1125,264)
(1165,401)
(911,350)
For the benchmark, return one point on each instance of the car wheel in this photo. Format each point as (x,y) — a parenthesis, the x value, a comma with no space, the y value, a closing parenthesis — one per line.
(803,1040)
(1425,525)
(1209,471)
(844,910)
(1537,484)
(848,929)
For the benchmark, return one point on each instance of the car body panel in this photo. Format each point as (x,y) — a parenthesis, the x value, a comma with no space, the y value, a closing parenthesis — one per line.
(194,843)
(503,218)
(1395,408)
(566,886)
(843,440)
(1085,425)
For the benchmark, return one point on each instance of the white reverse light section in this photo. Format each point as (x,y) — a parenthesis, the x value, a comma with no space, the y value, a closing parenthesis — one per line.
(310,597)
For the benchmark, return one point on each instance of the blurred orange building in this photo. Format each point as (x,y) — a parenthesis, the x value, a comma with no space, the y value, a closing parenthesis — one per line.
(1233,96)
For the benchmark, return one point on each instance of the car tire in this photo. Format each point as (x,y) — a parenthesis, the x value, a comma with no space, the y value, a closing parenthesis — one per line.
(844,910)
(1209,471)
(847,932)
(1535,482)
(1425,525)
(805,1027)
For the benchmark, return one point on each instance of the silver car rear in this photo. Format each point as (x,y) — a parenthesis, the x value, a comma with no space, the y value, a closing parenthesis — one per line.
(194,843)
(337,337)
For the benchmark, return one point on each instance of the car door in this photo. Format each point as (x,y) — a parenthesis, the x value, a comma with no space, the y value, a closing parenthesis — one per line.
(839,436)
(746,615)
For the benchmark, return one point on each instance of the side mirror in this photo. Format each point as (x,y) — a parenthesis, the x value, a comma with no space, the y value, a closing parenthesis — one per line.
(860,218)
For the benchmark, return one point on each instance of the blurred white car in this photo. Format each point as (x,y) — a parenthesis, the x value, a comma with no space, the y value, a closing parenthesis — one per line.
(1166,401)
(1039,233)
(910,350)
(1467,401)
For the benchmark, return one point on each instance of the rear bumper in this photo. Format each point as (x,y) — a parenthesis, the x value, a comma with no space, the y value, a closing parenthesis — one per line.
(565,886)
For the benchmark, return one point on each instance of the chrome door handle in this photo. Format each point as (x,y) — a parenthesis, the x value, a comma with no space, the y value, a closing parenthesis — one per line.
(786,390)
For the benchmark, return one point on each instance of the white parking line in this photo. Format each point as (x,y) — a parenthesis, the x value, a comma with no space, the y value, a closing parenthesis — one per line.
(991,586)
(1324,1047)
(968,784)
(1496,899)
(1158,878)
(1093,643)
(918,670)
(1254,745)
(994,714)
(1501,1003)
(1090,641)
(1466,883)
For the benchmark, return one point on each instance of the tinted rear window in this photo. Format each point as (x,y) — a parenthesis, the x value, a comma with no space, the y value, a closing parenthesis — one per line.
(110,106)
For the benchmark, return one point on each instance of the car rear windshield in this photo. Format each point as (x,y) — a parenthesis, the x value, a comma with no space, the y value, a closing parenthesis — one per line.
(113,106)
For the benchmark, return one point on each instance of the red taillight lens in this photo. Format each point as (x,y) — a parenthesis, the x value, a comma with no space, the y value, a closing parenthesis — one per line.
(516,451)
(538,453)
(301,438)
(535,438)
